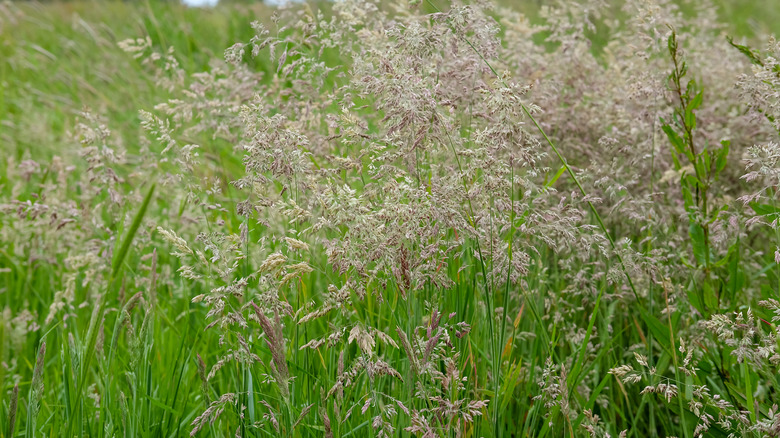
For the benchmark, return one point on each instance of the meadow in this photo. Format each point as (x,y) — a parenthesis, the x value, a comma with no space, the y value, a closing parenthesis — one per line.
(390,219)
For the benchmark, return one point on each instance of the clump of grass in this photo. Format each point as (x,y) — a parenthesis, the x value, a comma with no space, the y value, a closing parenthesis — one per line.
(361,220)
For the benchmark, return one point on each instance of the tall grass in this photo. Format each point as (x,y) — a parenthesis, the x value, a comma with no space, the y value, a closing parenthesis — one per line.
(389,219)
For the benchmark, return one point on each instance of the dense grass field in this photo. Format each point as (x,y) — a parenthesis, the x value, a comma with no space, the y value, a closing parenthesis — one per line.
(380,219)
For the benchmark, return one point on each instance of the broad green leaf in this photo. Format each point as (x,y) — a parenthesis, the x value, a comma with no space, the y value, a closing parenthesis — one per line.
(696,101)
(659,329)
(764,209)
(710,297)
(698,242)
(674,138)
(686,192)
(736,277)
(696,300)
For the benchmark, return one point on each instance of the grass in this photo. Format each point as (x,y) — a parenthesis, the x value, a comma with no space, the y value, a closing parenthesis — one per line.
(506,332)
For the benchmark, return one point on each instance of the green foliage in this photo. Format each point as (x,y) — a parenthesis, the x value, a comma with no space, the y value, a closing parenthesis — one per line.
(386,220)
